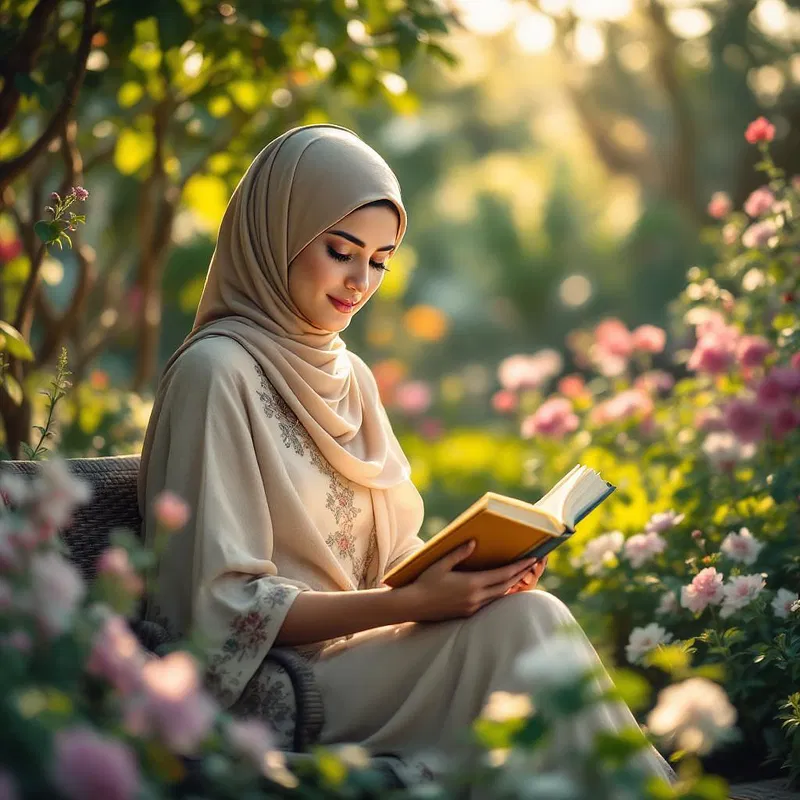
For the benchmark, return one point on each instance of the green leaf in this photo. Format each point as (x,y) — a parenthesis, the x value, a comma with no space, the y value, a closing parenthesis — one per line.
(46,231)
(14,389)
(15,343)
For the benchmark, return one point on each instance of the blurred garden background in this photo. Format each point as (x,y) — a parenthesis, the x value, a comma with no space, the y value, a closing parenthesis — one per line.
(601,267)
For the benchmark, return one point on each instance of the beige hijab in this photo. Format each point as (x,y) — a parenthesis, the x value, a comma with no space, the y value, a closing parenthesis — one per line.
(298,186)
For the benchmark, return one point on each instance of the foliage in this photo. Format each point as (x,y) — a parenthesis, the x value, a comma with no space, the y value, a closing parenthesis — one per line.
(87,712)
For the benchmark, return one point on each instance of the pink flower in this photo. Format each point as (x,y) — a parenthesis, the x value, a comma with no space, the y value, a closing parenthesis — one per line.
(713,353)
(654,380)
(759,202)
(720,205)
(788,379)
(649,339)
(114,562)
(742,547)
(529,372)
(116,656)
(752,350)
(760,130)
(504,401)
(430,428)
(641,547)
(740,592)
(770,393)
(413,397)
(723,449)
(783,601)
(709,419)
(178,707)
(784,421)
(88,765)
(613,336)
(8,786)
(759,233)
(663,521)
(171,511)
(554,419)
(626,405)
(704,590)
(572,386)
(745,419)
(80,193)
(57,589)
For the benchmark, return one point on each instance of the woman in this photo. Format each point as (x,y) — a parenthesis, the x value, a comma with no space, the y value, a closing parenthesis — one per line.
(275,435)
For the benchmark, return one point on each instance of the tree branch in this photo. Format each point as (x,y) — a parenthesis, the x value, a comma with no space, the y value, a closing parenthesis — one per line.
(13,167)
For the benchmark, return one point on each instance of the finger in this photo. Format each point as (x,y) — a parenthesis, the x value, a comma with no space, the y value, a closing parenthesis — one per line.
(502,574)
(447,562)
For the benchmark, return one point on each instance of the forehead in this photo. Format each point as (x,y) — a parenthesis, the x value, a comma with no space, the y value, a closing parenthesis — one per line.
(374,222)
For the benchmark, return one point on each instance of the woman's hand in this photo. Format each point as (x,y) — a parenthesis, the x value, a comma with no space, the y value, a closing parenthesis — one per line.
(529,580)
(442,593)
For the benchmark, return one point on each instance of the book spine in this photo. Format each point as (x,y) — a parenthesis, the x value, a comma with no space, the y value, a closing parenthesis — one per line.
(592,506)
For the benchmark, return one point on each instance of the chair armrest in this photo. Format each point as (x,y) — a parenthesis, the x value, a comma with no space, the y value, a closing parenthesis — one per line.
(310,711)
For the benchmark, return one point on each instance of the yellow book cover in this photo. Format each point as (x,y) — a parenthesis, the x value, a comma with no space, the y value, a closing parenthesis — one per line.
(507,529)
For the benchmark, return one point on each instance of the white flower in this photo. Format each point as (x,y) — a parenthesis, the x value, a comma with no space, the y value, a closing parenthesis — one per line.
(795,607)
(739,592)
(723,447)
(668,603)
(695,714)
(600,552)
(16,488)
(663,521)
(642,547)
(250,738)
(783,601)
(56,590)
(558,661)
(742,546)
(503,706)
(643,640)
(59,492)
(704,590)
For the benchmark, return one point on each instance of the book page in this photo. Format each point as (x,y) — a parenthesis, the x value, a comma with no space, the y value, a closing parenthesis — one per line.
(554,502)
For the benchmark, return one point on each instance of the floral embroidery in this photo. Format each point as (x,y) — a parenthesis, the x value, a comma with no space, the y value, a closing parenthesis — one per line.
(270,696)
(340,498)
(365,564)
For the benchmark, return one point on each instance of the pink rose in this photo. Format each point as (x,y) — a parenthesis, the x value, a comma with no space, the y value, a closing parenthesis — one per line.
(759,203)
(117,656)
(572,386)
(114,562)
(745,419)
(614,337)
(713,354)
(504,401)
(171,511)
(88,765)
(704,590)
(529,371)
(784,421)
(554,419)
(413,397)
(760,130)
(720,205)
(752,350)
(655,380)
(627,404)
(649,339)
(759,233)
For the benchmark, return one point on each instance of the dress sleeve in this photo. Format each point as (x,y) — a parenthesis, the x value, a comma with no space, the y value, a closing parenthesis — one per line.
(216,578)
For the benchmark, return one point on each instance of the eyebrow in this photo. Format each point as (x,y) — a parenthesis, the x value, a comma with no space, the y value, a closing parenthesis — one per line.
(355,240)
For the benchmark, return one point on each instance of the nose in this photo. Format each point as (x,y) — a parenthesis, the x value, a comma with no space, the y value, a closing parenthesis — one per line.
(358,276)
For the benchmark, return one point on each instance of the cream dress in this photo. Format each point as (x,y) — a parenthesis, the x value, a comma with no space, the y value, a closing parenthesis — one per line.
(409,690)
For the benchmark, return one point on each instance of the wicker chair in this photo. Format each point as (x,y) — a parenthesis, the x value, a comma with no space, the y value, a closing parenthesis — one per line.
(114,505)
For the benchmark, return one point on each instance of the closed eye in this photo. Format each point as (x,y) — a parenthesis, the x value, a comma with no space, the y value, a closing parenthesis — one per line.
(337,256)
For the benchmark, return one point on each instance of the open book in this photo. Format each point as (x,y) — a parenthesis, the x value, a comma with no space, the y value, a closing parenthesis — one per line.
(506,529)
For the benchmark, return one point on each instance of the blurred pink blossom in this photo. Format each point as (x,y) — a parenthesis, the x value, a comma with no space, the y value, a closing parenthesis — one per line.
(654,380)
(504,401)
(745,419)
(641,547)
(413,397)
(724,449)
(785,421)
(759,233)
(649,339)
(171,511)
(788,379)
(740,591)
(572,386)
(663,520)
(554,419)
(117,656)
(668,604)
(8,786)
(179,708)
(714,351)
(720,205)
(759,202)
(704,590)
(742,547)
(114,562)
(529,371)
(760,130)
(87,765)
(625,405)
(57,589)
(783,601)
(709,419)
(613,336)
(252,739)
(752,350)
(59,492)
(430,428)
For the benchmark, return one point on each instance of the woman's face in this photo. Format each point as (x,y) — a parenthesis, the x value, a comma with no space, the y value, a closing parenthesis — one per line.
(344,263)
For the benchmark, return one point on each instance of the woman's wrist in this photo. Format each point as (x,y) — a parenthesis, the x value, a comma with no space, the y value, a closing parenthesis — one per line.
(405,603)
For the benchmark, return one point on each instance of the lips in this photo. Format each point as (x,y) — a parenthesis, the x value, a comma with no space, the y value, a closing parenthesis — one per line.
(345,308)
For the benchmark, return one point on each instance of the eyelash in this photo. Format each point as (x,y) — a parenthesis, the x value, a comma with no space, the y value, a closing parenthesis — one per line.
(341,257)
